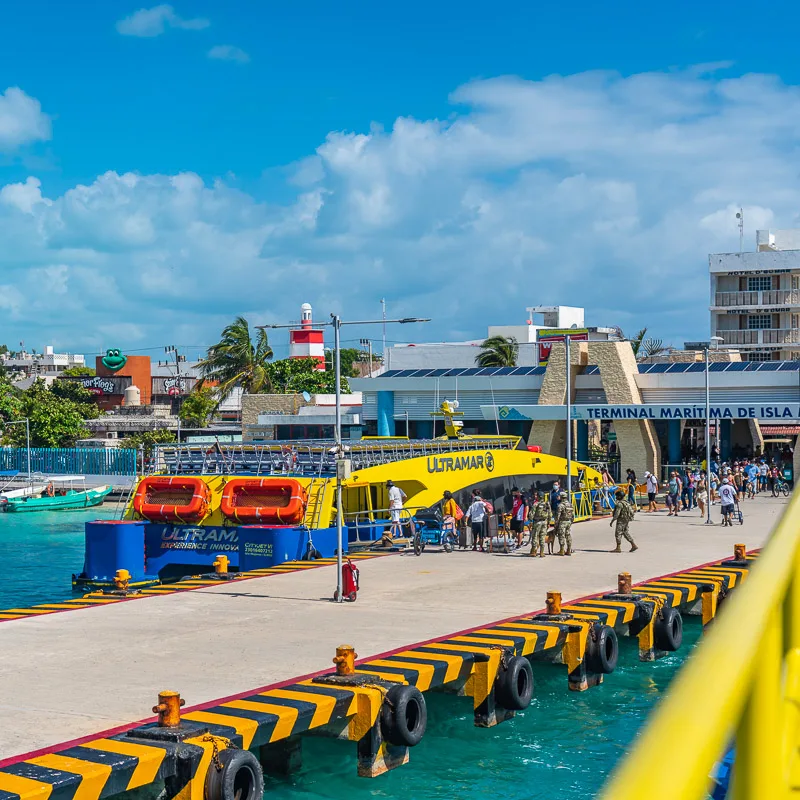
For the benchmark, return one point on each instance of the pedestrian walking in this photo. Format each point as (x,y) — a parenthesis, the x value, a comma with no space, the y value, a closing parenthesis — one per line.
(542,515)
(623,516)
(727,496)
(631,480)
(652,489)
(702,493)
(673,493)
(396,498)
(451,513)
(476,517)
(519,513)
(564,517)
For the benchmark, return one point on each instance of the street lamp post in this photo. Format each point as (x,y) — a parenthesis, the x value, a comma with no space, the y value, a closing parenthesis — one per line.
(569,421)
(714,340)
(336,323)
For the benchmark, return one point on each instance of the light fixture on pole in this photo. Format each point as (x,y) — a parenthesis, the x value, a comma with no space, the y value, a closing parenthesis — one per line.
(342,464)
(715,340)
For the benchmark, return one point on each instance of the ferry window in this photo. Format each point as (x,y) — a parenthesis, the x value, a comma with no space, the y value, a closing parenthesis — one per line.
(759,284)
(757,322)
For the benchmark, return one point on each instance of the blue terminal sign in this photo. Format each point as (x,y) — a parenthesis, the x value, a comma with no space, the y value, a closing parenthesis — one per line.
(611,412)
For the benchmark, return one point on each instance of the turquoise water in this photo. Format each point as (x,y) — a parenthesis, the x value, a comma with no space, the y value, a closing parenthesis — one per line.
(562,747)
(40,551)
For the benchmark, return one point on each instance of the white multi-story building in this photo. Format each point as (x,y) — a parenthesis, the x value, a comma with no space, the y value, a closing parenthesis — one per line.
(48,364)
(755,297)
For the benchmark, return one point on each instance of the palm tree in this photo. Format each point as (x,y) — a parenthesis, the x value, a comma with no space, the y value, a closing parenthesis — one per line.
(644,346)
(498,351)
(236,361)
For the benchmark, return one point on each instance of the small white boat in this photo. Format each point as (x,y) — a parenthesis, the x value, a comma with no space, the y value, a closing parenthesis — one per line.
(30,490)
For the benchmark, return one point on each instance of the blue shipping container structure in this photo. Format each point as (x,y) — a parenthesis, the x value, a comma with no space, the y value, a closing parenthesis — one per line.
(70,460)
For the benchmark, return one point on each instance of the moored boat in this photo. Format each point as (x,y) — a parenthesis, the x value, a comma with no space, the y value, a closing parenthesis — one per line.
(59,495)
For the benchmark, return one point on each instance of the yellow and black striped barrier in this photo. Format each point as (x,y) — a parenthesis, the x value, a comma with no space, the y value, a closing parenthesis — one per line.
(100,598)
(376,703)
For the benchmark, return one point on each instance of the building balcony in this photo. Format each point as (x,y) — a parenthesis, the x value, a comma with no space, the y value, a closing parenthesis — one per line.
(757,338)
(765,299)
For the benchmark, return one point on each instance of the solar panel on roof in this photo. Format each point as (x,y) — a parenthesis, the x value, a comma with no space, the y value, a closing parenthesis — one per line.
(751,366)
(673,368)
(789,366)
(696,367)
(737,366)
(592,369)
(485,372)
(455,373)
(505,370)
(768,366)
(659,367)
(392,373)
(438,373)
(718,366)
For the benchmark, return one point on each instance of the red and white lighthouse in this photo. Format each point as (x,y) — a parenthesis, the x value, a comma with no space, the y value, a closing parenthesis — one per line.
(307,341)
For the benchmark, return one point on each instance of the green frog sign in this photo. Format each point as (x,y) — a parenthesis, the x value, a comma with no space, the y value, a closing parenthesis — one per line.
(114,360)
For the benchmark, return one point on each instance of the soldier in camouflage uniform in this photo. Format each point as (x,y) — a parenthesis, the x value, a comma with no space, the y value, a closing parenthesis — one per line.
(540,516)
(623,514)
(565,516)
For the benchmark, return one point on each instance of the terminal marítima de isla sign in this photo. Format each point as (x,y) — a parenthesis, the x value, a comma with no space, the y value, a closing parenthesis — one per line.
(781,411)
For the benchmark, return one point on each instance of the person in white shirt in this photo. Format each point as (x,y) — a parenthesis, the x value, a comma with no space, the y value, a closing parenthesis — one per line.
(727,496)
(652,490)
(396,497)
(763,472)
(476,516)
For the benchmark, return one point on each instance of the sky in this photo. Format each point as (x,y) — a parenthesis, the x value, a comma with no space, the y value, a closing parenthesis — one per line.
(165,168)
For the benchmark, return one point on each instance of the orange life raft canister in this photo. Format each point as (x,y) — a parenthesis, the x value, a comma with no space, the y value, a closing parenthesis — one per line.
(178,499)
(266,501)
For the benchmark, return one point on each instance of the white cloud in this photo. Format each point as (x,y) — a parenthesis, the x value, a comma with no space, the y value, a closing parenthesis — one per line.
(22,120)
(227,52)
(24,196)
(591,189)
(149,22)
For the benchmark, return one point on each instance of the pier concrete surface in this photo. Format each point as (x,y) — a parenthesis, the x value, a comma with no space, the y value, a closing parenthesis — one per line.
(66,676)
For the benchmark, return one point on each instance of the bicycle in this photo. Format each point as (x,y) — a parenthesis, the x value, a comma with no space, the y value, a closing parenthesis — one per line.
(780,487)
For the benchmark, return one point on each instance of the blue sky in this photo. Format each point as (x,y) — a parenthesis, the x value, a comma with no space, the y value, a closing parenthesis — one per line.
(165,167)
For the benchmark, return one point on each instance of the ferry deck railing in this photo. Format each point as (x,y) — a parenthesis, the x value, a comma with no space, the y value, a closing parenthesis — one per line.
(741,686)
(312,458)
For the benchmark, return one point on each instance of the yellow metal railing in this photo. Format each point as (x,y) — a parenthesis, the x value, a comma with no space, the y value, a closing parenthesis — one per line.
(741,685)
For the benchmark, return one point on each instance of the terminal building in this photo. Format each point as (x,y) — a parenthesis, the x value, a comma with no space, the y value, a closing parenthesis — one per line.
(645,415)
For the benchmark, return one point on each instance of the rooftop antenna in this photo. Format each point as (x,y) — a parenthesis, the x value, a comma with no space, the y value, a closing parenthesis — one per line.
(740,217)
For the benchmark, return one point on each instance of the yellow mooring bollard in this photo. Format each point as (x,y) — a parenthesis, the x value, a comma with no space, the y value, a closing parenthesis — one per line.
(739,552)
(121,579)
(169,709)
(624,583)
(221,564)
(554,602)
(345,659)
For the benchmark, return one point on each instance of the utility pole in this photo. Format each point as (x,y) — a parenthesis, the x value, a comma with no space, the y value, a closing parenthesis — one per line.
(171,350)
(342,463)
(383,343)
(368,344)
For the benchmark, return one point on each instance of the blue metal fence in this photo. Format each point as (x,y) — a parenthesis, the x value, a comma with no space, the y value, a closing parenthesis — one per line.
(70,460)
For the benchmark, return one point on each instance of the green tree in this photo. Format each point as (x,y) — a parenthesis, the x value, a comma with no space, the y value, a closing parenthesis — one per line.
(79,372)
(54,421)
(645,346)
(73,390)
(298,375)
(148,439)
(236,361)
(198,408)
(10,401)
(498,351)
(348,358)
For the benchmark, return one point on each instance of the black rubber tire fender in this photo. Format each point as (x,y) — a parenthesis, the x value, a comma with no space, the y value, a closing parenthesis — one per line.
(514,685)
(240,778)
(668,630)
(602,649)
(404,716)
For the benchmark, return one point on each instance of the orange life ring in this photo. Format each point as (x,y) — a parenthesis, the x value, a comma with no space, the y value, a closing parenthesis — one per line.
(267,501)
(178,499)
